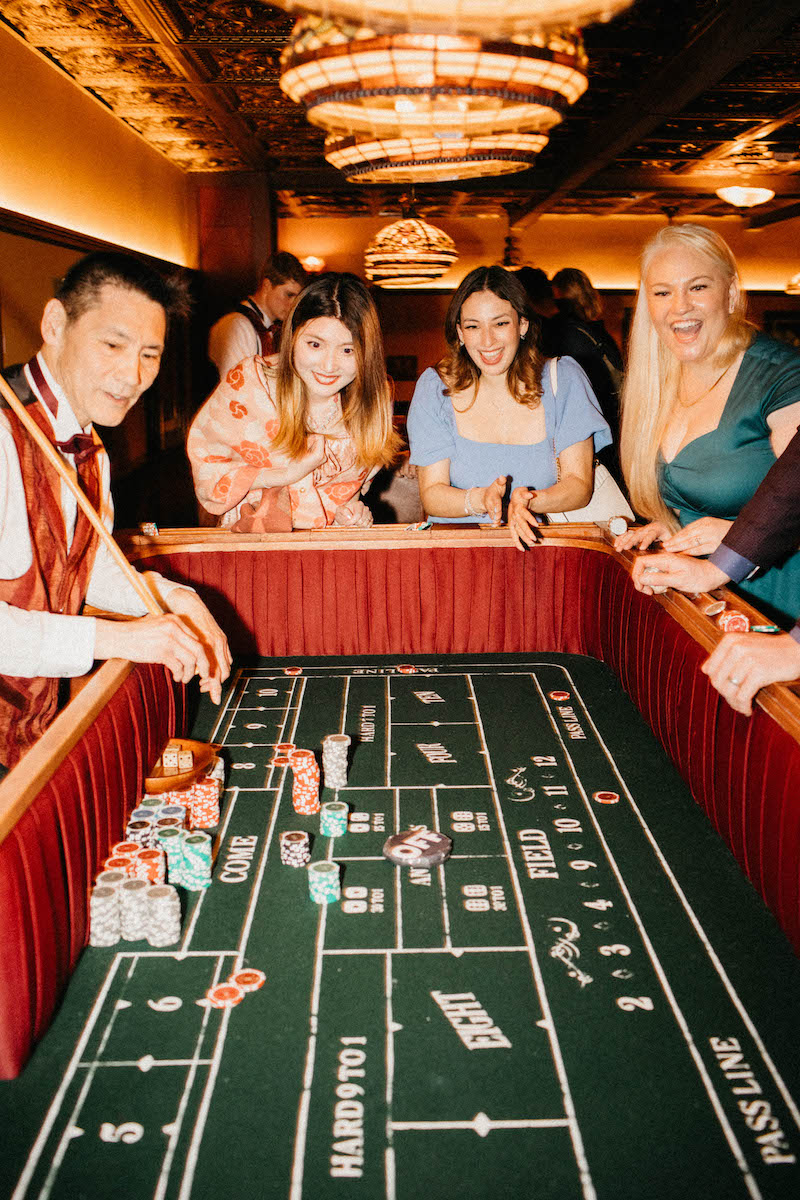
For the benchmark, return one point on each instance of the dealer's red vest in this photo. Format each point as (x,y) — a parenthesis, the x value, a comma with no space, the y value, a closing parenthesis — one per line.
(56,580)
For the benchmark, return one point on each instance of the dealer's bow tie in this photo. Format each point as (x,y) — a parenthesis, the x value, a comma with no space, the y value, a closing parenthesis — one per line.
(82,445)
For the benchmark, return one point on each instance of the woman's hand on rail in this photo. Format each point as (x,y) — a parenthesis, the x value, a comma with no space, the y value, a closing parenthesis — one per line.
(642,536)
(521,520)
(493,500)
(698,537)
(354,514)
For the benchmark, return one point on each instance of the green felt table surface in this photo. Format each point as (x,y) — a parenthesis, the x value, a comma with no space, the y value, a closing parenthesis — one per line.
(587,1000)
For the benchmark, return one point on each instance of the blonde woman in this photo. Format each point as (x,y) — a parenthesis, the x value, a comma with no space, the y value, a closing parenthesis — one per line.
(487,417)
(708,405)
(294,446)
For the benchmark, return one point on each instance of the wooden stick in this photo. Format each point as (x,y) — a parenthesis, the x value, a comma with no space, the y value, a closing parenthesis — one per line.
(70,478)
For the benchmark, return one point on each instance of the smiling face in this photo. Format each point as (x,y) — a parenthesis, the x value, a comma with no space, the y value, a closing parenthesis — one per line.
(491,330)
(690,302)
(324,357)
(106,357)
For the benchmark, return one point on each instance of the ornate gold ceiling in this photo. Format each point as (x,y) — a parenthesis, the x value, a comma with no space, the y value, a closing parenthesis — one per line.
(684,96)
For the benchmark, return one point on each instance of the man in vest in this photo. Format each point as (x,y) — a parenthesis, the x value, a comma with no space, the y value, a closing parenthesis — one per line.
(103,335)
(254,325)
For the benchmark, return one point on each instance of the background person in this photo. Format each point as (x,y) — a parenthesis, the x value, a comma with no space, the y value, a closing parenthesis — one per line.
(583,336)
(486,416)
(294,445)
(708,405)
(254,326)
(103,335)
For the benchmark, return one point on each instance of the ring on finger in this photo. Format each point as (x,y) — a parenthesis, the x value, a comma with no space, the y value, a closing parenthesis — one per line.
(735,682)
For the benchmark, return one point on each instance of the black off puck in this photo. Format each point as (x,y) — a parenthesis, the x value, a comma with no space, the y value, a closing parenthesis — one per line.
(418,848)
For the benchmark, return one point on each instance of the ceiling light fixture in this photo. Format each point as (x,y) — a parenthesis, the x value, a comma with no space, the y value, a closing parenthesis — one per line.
(745,197)
(408,253)
(505,18)
(353,81)
(430,159)
(793,286)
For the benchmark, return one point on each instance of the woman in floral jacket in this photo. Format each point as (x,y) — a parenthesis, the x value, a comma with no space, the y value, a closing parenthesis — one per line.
(293,445)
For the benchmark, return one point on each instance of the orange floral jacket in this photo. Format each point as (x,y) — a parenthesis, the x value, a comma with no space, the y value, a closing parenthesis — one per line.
(230,443)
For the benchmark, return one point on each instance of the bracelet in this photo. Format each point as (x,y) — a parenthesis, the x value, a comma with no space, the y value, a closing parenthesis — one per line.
(469,508)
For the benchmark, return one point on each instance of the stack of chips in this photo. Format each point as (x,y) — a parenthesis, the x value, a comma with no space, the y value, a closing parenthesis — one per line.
(203,799)
(111,878)
(196,866)
(305,788)
(104,915)
(217,771)
(333,819)
(173,810)
(295,848)
(149,865)
(163,915)
(281,757)
(141,830)
(171,841)
(225,995)
(133,909)
(323,882)
(334,759)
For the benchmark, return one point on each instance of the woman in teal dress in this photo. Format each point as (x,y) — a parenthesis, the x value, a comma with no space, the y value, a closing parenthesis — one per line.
(708,405)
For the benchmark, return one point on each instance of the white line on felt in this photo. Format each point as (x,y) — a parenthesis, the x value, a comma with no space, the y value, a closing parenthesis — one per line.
(575,1134)
(683,1025)
(389,1158)
(298,1160)
(66,1080)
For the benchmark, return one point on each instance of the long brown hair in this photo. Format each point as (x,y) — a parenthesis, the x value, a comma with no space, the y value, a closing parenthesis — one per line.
(574,285)
(366,402)
(457,370)
(652,375)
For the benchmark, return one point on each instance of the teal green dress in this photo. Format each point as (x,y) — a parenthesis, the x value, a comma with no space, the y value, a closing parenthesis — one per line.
(717,473)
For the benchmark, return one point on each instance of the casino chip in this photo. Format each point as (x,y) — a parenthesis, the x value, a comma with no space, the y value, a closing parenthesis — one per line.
(407,669)
(606,797)
(418,848)
(249,979)
(733,621)
(558,695)
(293,670)
(225,995)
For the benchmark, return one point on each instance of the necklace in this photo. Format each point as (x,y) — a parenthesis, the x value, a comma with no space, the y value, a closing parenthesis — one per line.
(707,392)
(330,413)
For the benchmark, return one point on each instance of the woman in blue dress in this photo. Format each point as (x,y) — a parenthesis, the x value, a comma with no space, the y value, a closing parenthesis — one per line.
(708,405)
(491,416)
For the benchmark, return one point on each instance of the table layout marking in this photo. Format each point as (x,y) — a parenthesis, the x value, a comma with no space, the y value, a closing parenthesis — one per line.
(555,1049)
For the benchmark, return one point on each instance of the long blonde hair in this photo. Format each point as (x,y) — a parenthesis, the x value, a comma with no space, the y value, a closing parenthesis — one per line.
(652,373)
(366,402)
(457,370)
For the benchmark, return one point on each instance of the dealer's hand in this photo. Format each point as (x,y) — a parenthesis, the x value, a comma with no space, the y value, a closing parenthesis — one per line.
(744,662)
(642,536)
(354,514)
(191,608)
(654,573)
(166,639)
(521,521)
(698,537)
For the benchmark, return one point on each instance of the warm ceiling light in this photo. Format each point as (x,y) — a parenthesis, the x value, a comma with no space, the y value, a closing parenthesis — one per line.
(745,197)
(312,264)
(408,253)
(793,286)
(430,159)
(498,18)
(352,81)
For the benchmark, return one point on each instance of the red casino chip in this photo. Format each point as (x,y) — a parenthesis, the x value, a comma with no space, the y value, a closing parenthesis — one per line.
(606,797)
(225,995)
(407,669)
(558,695)
(733,621)
(293,670)
(249,980)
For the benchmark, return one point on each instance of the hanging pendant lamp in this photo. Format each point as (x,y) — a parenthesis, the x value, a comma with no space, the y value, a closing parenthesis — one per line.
(408,253)
(430,159)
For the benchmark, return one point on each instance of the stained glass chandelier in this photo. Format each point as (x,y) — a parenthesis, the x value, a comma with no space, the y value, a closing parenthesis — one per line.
(428,159)
(353,81)
(408,253)
(500,18)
